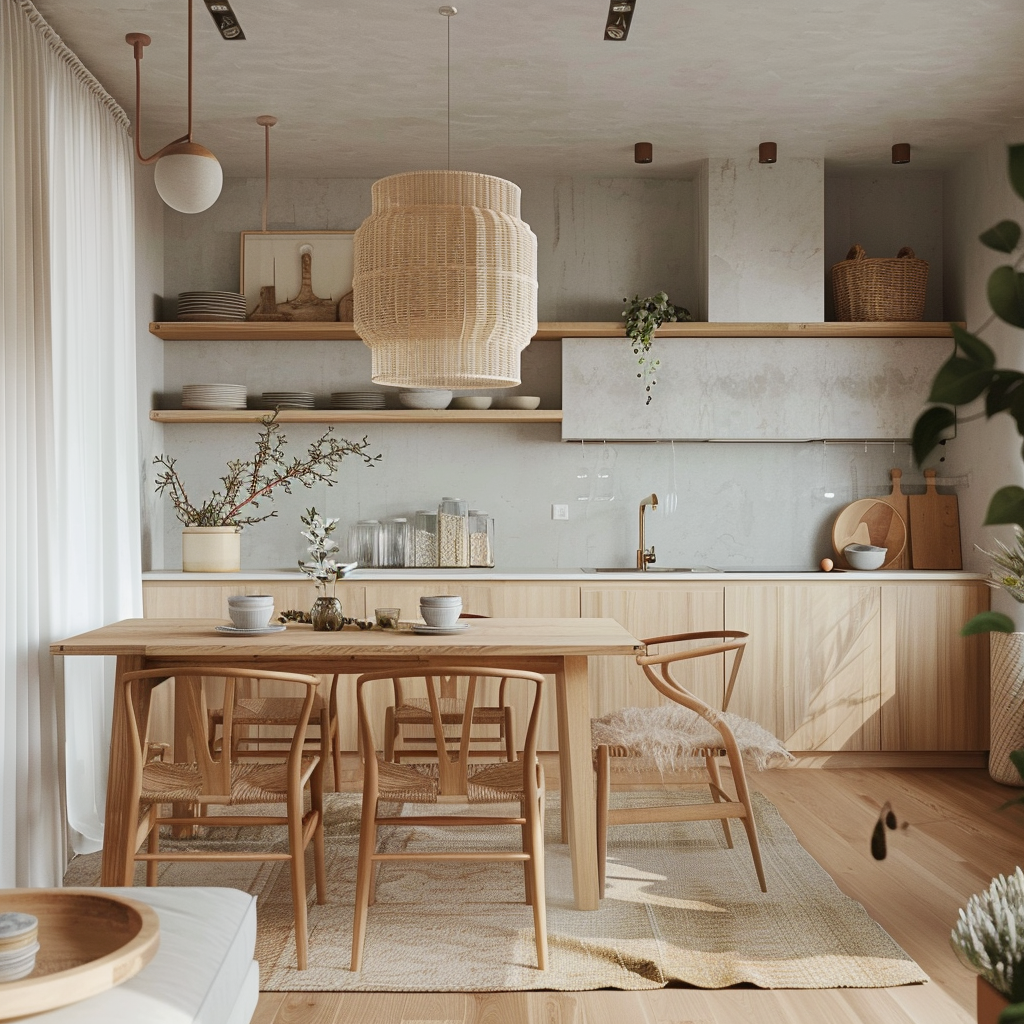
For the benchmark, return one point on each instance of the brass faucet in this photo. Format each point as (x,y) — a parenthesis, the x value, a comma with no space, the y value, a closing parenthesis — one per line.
(645,556)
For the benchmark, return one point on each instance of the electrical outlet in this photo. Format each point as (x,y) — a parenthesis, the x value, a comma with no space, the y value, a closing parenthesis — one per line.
(559,511)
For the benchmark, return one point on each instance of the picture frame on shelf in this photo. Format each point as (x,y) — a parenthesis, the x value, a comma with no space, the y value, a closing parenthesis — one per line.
(274,258)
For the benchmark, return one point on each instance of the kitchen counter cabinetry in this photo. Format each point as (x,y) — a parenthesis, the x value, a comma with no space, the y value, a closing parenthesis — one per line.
(851,663)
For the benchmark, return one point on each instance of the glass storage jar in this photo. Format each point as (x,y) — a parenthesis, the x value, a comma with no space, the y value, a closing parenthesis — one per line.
(481,539)
(424,543)
(366,543)
(395,530)
(453,533)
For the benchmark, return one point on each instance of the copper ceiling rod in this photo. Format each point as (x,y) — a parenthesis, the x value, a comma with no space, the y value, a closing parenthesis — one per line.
(138,41)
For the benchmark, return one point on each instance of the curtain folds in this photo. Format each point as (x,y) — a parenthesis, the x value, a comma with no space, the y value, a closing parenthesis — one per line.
(69,515)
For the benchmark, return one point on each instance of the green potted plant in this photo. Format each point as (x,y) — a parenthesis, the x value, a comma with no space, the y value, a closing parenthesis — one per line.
(210,540)
(643,317)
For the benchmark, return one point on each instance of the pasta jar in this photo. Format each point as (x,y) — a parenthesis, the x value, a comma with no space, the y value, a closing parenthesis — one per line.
(424,544)
(453,533)
(481,539)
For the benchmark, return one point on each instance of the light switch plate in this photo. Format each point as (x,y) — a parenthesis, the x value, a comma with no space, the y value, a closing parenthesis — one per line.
(559,511)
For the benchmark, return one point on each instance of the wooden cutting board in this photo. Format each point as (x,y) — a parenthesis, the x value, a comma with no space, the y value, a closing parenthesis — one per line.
(898,500)
(935,528)
(869,521)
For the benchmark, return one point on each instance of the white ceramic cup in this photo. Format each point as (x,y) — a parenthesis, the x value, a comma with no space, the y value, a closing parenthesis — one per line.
(441,612)
(250,611)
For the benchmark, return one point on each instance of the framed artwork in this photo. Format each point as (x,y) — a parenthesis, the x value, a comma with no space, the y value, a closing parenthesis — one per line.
(274,257)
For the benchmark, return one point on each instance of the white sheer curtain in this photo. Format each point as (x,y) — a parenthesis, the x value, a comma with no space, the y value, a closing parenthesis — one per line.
(69,500)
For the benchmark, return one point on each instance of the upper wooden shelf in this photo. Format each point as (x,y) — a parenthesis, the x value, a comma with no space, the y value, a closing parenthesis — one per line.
(174,330)
(358,415)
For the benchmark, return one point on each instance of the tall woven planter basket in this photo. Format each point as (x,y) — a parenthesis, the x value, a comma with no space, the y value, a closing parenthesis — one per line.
(445,281)
(879,289)
(1006,705)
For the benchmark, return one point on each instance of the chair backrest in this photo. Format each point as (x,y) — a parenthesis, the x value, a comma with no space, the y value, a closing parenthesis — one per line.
(659,667)
(452,746)
(194,682)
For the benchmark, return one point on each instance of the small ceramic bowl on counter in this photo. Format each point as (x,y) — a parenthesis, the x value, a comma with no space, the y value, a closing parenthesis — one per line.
(865,556)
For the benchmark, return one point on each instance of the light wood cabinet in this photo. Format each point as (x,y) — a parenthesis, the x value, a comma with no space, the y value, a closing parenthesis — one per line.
(811,669)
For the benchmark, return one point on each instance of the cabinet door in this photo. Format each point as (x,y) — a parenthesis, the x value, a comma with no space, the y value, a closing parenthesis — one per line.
(935,694)
(811,669)
(648,610)
(507,599)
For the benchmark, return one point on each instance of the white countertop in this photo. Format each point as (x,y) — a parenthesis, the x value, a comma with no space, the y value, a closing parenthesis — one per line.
(552,575)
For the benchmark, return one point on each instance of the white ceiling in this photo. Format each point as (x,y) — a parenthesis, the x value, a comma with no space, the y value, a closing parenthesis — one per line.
(360,88)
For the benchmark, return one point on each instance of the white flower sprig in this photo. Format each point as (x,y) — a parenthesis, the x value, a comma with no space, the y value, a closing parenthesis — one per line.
(321,567)
(989,937)
(1009,566)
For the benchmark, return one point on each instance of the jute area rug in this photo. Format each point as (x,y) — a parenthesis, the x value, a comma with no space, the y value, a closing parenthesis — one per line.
(680,908)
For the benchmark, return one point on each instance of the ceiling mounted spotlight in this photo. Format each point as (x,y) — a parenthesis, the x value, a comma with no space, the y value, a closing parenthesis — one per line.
(187,176)
(901,153)
(767,153)
(620,13)
(643,153)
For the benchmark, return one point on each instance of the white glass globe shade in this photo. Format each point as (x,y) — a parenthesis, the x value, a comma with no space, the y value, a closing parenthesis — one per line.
(188,178)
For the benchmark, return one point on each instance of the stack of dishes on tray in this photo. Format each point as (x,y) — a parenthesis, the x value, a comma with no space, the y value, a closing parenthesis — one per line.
(213,396)
(288,399)
(19,944)
(211,306)
(357,399)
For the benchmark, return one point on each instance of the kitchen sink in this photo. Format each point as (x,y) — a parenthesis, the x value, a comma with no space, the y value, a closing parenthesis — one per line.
(652,568)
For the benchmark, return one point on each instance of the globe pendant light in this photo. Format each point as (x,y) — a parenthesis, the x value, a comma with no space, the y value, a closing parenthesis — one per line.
(445,278)
(187,176)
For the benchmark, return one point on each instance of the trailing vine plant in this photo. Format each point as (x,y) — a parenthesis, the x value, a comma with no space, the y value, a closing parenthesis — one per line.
(643,317)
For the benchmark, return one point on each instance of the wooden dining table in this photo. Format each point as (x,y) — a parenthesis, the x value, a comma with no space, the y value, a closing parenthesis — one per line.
(555,646)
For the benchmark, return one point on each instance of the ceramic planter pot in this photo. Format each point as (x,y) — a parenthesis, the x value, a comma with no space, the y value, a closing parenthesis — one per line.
(1006,705)
(991,1002)
(211,549)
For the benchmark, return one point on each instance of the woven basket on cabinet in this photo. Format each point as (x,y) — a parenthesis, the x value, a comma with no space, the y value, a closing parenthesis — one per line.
(879,289)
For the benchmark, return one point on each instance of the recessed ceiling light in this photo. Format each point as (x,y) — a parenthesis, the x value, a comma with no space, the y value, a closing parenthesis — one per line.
(620,13)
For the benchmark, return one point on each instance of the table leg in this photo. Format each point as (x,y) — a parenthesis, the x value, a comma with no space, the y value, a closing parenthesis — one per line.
(577,779)
(117,862)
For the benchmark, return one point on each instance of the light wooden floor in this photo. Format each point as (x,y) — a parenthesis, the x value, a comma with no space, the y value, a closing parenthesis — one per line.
(957,840)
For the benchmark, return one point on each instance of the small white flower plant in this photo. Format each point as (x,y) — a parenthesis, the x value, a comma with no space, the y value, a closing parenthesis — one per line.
(322,565)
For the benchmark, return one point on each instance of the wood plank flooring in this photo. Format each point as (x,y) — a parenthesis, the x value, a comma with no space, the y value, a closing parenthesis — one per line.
(957,839)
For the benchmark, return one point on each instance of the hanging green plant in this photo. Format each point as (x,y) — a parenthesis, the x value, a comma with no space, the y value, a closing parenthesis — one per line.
(643,317)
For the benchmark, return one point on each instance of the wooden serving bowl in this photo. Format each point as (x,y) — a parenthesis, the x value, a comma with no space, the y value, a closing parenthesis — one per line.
(89,941)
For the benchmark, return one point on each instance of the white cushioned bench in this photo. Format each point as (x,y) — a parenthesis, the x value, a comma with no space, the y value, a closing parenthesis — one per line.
(203,972)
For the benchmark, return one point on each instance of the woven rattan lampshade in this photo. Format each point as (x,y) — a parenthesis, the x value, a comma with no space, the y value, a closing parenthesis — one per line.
(445,281)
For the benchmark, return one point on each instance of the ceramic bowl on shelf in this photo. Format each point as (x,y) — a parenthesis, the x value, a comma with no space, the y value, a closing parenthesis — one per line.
(519,402)
(472,402)
(425,398)
(865,556)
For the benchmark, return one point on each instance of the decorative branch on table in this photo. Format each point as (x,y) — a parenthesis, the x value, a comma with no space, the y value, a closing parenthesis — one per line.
(971,373)
(322,567)
(294,615)
(247,481)
(643,317)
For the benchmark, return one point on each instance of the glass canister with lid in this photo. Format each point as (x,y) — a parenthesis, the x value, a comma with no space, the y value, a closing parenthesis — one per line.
(424,543)
(481,539)
(453,533)
(365,546)
(395,554)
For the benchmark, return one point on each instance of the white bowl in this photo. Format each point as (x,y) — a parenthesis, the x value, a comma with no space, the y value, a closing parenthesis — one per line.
(519,402)
(441,617)
(426,399)
(472,402)
(441,601)
(865,556)
(250,611)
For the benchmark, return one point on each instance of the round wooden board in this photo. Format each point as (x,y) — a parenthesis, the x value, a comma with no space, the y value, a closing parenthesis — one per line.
(869,521)
(89,941)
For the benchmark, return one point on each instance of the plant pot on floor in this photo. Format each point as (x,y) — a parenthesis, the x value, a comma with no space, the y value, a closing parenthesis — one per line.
(211,549)
(1006,705)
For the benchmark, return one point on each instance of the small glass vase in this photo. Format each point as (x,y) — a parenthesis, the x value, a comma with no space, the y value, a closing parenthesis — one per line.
(326,614)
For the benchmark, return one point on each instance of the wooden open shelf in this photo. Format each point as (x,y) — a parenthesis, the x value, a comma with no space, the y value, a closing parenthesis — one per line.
(359,416)
(263,331)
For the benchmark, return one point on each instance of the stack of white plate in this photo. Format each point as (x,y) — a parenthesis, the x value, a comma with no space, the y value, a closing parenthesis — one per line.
(357,399)
(18,945)
(288,399)
(211,306)
(213,396)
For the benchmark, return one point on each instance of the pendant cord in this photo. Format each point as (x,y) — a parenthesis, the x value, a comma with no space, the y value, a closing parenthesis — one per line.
(449,115)
(189,70)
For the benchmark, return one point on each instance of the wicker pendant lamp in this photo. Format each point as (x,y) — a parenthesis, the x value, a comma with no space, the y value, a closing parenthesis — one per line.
(445,280)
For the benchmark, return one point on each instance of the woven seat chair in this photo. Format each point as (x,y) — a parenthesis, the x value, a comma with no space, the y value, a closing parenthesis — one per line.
(415,712)
(253,711)
(688,734)
(219,779)
(451,780)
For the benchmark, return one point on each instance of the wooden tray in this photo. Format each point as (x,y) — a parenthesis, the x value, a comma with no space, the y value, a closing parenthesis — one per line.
(89,941)
(870,521)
